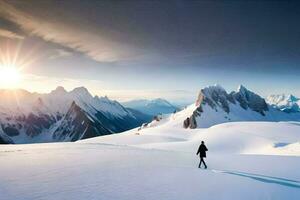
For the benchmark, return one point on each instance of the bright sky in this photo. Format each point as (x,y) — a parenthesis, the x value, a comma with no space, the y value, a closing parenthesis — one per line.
(148,49)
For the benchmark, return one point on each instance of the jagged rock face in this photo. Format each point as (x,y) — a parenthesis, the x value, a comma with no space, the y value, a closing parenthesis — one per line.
(248,99)
(32,124)
(215,96)
(190,122)
(5,140)
(77,125)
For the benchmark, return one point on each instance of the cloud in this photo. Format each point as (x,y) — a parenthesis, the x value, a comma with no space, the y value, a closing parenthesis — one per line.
(60,53)
(87,41)
(9,34)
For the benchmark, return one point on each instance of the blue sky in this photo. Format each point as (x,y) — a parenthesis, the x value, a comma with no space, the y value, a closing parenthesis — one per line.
(147,49)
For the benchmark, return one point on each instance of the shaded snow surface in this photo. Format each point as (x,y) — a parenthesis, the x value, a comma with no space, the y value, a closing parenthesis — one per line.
(246,160)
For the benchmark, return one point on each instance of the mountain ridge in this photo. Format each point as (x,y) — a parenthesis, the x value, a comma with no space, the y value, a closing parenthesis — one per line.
(287,103)
(61,116)
(151,107)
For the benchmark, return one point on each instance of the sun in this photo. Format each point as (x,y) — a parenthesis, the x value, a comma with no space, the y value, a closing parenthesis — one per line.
(9,76)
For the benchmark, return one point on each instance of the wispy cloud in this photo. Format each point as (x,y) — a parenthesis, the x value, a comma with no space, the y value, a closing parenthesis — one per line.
(9,34)
(91,43)
(60,53)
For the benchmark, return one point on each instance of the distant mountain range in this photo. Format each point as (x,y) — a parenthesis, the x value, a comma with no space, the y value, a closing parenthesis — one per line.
(286,103)
(69,116)
(61,116)
(151,107)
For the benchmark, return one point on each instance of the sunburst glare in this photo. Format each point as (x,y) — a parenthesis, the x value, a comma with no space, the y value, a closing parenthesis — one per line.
(12,64)
(10,76)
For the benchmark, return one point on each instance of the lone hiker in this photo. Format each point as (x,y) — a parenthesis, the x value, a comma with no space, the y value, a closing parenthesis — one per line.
(202,151)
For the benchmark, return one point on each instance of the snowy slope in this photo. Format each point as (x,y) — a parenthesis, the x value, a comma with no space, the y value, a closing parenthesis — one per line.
(159,163)
(151,107)
(286,103)
(266,138)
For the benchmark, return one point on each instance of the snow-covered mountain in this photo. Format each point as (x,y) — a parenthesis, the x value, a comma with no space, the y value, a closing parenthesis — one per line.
(151,107)
(69,116)
(215,106)
(61,116)
(286,103)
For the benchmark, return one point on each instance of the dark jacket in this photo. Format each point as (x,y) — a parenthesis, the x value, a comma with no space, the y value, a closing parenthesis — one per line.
(202,150)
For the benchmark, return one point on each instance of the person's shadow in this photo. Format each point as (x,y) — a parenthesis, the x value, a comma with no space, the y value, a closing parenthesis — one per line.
(263,178)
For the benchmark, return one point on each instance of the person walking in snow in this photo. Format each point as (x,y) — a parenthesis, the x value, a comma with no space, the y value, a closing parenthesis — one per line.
(202,151)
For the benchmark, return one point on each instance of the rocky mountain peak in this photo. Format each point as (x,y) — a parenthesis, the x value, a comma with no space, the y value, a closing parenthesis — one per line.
(80,90)
(59,91)
(216,96)
(248,99)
